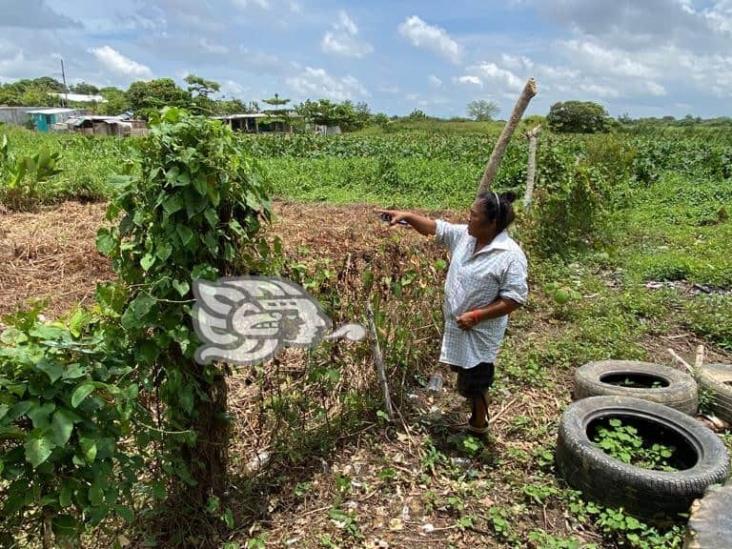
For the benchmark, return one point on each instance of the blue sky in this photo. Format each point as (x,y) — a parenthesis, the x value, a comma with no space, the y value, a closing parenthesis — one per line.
(643,57)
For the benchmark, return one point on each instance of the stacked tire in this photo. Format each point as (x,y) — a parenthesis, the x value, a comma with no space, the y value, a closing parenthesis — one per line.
(662,401)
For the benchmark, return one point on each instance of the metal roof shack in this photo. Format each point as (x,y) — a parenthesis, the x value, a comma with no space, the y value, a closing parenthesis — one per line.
(45,119)
(119,126)
(257,122)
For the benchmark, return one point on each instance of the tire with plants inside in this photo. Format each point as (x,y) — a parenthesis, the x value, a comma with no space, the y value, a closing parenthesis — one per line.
(635,379)
(717,380)
(645,492)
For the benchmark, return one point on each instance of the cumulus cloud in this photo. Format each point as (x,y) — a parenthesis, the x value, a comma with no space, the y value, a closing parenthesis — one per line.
(434,81)
(316,82)
(119,64)
(343,38)
(469,79)
(503,78)
(431,38)
(32,14)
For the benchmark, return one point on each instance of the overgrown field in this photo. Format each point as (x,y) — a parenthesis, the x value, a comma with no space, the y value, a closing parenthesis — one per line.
(636,227)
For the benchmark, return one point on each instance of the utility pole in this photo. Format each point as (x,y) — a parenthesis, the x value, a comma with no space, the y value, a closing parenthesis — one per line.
(66,89)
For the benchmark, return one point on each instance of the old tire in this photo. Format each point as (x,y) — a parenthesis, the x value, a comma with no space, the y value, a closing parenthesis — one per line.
(717,379)
(678,390)
(710,522)
(644,492)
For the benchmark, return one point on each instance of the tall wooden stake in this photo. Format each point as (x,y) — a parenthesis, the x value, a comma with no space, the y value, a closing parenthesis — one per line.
(491,168)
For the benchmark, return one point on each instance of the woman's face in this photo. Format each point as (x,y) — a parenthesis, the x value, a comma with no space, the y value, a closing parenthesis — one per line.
(477,225)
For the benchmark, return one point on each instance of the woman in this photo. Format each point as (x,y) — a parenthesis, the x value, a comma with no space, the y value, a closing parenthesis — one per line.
(486,281)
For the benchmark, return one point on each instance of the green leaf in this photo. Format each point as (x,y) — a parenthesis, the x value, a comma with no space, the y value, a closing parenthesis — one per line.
(80,393)
(51,369)
(133,317)
(88,448)
(3,410)
(182,287)
(65,526)
(62,425)
(163,250)
(96,493)
(106,243)
(39,414)
(173,204)
(66,493)
(186,235)
(74,371)
(38,450)
(147,261)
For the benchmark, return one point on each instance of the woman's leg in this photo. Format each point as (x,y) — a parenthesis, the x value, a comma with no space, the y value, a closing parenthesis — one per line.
(479,419)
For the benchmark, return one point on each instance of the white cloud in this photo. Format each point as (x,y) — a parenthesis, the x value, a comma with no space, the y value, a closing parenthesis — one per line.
(429,37)
(470,79)
(343,38)
(230,88)
(516,63)
(434,81)
(317,83)
(244,4)
(606,60)
(211,47)
(490,72)
(599,90)
(118,63)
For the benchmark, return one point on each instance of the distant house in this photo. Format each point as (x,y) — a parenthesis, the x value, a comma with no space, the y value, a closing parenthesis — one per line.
(17,116)
(44,119)
(258,122)
(119,126)
(80,98)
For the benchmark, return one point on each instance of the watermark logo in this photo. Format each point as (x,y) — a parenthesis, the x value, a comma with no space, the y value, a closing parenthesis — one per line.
(248,319)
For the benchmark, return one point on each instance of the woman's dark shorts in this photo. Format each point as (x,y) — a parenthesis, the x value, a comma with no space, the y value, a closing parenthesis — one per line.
(473,382)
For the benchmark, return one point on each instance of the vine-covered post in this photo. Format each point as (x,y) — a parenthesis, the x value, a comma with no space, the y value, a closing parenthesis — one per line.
(193,211)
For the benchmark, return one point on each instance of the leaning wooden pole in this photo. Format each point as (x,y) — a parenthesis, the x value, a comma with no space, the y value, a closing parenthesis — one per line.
(491,168)
(531,168)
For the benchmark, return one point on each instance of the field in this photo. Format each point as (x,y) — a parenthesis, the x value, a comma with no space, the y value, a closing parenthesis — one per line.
(635,225)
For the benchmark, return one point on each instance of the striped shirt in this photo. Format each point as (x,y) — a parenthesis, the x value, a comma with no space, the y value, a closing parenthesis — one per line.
(473,281)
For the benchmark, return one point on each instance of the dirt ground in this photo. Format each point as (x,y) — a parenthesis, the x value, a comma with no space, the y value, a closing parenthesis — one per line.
(50,255)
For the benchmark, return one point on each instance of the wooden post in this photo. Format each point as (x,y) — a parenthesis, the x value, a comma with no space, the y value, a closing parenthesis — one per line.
(491,168)
(379,360)
(531,169)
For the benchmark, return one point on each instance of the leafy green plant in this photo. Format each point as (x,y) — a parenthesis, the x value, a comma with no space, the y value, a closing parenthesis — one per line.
(624,443)
(66,401)
(21,177)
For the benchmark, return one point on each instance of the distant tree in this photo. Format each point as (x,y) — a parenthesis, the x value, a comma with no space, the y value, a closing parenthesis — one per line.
(380,119)
(482,110)
(84,88)
(47,83)
(200,90)
(145,98)
(116,101)
(322,112)
(417,114)
(578,117)
(230,106)
(200,86)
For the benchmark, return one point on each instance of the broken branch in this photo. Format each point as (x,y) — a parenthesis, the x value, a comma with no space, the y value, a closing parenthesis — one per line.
(491,168)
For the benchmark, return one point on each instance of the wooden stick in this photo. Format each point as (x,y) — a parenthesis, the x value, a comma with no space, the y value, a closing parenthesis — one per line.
(699,360)
(491,168)
(531,169)
(379,361)
(681,360)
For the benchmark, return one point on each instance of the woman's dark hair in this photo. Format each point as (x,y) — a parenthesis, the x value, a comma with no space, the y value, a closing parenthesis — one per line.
(501,209)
